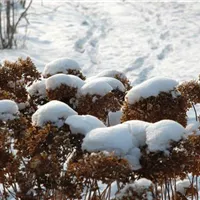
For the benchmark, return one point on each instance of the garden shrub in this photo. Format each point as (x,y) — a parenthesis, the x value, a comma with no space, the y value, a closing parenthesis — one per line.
(48,150)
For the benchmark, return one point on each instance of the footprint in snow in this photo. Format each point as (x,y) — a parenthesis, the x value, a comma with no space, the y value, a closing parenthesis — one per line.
(136,64)
(165,52)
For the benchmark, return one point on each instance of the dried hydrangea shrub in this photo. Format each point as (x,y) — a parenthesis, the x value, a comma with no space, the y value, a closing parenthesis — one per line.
(15,76)
(64,66)
(124,80)
(98,106)
(64,88)
(156,108)
(139,189)
(37,93)
(7,95)
(191,91)
(99,167)
(65,94)
(74,72)
(115,74)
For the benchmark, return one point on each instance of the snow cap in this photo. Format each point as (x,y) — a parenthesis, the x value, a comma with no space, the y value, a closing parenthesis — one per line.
(56,80)
(54,111)
(83,123)
(151,87)
(96,87)
(111,73)
(60,65)
(38,88)
(138,130)
(8,110)
(116,138)
(160,134)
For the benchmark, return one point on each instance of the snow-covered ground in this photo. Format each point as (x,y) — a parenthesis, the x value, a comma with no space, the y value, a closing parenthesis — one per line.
(142,39)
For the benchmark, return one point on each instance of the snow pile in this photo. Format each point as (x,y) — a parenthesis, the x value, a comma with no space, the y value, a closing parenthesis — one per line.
(83,123)
(182,185)
(193,127)
(114,118)
(54,111)
(133,157)
(151,87)
(116,138)
(8,110)
(138,130)
(139,186)
(160,134)
(113,82)
(60,65)
(110,73)
(55,81)
(38,88)
(95,87)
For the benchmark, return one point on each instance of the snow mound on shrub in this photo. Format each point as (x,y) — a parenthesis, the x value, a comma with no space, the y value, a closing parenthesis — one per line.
(116,138)
(96,87)
(182,185)
(111,73)
(138,130)
(139,186)
(83,123)
(54,111)
(193,127)
(151,87)
(38,88)
(160,134)
(113,82)
(8,110)
(60,65)
(133,157)
(114,118)
(56,80)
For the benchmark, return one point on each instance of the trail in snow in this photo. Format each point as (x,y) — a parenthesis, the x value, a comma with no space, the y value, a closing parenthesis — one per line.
(141,39)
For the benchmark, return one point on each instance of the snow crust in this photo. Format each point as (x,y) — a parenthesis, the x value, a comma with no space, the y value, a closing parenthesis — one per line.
(83,123)
(116,138)
(151,87)
(54,111)
(160,134)
(38,88)
(56,80)
(60,65)
(8,110)
(95,87)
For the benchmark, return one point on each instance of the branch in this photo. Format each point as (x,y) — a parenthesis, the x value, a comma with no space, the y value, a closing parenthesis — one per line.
(195,111)
(22,15)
